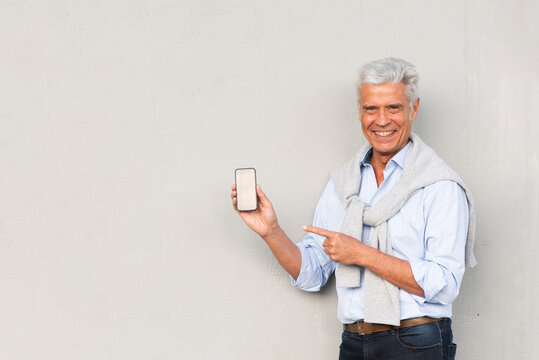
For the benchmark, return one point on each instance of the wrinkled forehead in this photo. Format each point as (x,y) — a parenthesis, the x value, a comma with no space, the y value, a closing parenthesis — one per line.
(383,93)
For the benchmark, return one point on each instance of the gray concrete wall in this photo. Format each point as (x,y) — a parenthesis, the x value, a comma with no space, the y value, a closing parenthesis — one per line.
(121,123)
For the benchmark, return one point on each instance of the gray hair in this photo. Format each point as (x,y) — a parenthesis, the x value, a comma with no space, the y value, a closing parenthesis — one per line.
(391,70)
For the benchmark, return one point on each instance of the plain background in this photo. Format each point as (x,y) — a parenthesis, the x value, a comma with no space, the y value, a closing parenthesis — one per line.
(121,123)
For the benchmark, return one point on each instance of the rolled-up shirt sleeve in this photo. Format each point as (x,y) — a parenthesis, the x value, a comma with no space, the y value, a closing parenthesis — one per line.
(316,266)
(441,270)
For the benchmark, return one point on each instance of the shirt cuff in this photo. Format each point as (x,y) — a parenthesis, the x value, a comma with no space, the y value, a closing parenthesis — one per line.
(304,281)
(298,281)
(430,277)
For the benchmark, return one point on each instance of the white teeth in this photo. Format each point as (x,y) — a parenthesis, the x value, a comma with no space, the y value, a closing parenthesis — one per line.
(383,133)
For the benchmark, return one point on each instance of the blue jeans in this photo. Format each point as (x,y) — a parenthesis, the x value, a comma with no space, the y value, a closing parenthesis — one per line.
(430,341)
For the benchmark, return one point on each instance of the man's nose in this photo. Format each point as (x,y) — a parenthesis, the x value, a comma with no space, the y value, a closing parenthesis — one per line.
(382,119)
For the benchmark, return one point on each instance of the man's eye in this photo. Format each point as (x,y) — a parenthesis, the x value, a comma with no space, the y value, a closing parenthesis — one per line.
(394,109)
(371,110)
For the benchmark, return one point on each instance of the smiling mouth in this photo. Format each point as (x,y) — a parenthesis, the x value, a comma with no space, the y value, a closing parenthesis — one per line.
(384,133)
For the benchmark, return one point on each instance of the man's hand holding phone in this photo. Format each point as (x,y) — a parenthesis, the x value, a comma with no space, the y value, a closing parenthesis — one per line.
(263,220)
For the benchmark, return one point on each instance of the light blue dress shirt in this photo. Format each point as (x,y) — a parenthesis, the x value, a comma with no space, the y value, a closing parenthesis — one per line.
(429,231)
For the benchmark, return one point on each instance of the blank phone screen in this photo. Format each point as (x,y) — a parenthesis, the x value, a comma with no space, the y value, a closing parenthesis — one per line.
(246,189)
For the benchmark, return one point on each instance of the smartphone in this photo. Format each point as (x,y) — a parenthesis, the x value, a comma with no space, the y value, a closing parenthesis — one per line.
(246,189)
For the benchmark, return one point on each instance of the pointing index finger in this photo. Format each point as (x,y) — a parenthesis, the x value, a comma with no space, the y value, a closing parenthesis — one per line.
(318,231)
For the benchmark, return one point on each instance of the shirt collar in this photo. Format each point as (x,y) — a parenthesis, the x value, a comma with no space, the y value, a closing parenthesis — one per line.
(398,159)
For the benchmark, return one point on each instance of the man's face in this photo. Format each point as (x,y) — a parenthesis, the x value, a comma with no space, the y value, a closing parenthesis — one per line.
(386,118)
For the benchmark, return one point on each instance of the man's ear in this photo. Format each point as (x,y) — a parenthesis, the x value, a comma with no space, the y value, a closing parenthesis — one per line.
(414,110)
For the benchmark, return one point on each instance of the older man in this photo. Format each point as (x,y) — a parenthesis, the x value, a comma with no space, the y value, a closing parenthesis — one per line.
(395,223)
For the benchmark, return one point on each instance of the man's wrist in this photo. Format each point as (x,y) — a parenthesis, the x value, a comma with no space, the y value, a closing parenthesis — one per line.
(367,256)
(272,233)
